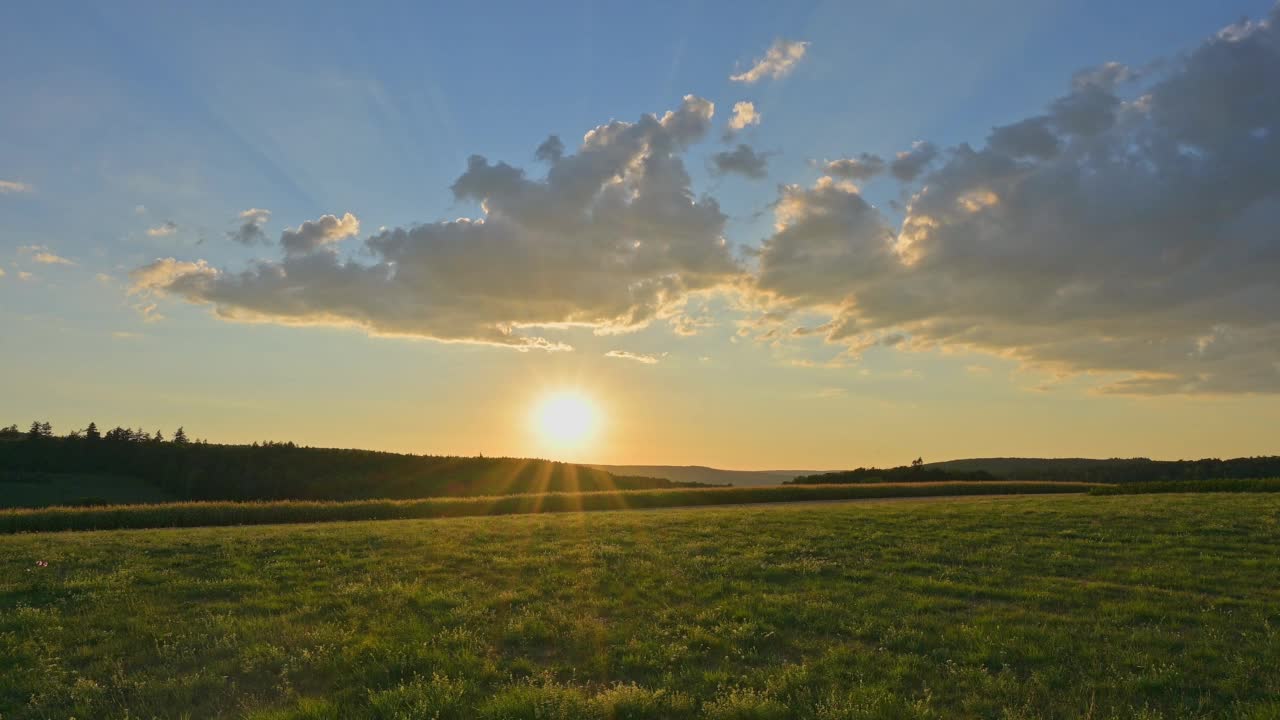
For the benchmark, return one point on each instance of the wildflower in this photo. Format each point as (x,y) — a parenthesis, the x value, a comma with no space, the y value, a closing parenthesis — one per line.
(42,563)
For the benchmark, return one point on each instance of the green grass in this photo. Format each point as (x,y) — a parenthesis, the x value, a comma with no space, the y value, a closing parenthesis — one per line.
(194,514)
(1159,606)
(1247,485)
(44,489)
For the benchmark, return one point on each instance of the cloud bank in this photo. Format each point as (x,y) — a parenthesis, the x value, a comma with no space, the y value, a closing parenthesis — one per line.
(1129,230)
(611,238)
(1131,235)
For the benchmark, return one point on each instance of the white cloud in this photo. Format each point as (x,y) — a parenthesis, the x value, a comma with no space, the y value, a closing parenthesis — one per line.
(13,186)
(611,238)
(164,230)
(778,62)
(43,255)
(1130,238)
(744,114)
(642,358)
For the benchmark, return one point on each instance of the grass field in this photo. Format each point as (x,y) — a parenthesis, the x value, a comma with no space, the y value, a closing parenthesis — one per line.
(197,514)
(1244,485)
(1154,606)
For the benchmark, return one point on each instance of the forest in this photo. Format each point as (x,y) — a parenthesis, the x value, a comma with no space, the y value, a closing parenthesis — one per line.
(192,469)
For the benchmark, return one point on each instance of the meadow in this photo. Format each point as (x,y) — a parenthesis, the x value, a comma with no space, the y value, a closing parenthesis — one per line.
(1070,606)
(206,513)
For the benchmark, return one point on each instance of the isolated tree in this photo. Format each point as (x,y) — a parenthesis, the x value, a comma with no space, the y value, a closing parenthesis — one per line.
(91,432)
(917,463)
(180,437)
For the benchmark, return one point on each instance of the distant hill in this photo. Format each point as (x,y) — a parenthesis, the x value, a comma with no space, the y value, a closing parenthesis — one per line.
(708,475)
(1113,470)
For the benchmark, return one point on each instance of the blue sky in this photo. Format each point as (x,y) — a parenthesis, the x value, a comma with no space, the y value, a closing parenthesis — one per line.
(119,120)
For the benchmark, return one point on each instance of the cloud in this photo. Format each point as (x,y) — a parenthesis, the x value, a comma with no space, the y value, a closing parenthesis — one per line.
(23,275)
(2,272)
(1132,237)
(550,151)
(12,186)
(1033,138)
(43,255)
(778,62)
(611,238)
(250,230)
(744,115)
(742,160)
(315,234)
(164,230)
(862,167)
(908,164)
(642,358)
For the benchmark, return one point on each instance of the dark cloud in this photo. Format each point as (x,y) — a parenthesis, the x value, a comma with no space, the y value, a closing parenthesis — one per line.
(742,160)
(908,164)
(550,151)
(1032,137)
(250,230)
(862,167)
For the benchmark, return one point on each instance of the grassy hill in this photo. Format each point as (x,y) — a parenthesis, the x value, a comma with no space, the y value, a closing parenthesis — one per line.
(1152,606)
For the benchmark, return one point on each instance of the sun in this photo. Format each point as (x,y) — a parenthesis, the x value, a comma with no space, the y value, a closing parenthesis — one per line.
(566,419)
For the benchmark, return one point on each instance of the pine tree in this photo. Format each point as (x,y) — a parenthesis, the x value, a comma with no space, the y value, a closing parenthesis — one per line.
(180,437)
(91,432)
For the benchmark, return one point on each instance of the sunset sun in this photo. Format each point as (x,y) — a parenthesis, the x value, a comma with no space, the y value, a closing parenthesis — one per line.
(566,419)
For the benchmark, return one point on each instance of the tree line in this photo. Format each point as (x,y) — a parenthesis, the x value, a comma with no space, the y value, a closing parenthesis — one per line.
(1114,470)
(198,470)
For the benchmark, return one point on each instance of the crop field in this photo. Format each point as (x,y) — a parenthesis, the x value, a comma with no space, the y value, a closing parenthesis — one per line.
(1079,606)
(196,514)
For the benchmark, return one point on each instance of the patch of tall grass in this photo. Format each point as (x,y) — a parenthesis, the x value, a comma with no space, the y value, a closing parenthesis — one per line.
(194,514)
